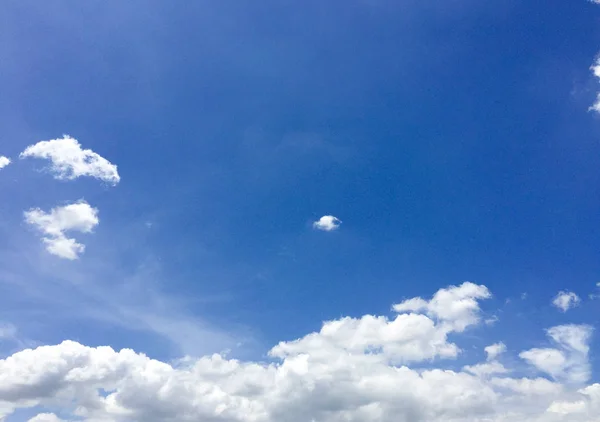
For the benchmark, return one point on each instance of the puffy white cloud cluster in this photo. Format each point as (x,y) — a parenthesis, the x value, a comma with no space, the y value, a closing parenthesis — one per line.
(327,223)
(79,216)
(70,161)
(4,161)
(566,300)
(372,368)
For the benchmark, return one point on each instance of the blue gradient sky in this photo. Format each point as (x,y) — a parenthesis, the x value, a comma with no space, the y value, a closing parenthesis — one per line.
(453,140)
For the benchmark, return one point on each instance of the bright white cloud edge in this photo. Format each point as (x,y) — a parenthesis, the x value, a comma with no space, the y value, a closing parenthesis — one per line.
(70,161)
(327,223)
(352,370)
(55,225)
(4,161)
(565,300)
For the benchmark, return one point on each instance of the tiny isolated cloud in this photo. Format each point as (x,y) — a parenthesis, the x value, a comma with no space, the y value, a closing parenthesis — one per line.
(566,300)
(70,161)
(595,68)
(327,223)
(79,217)
(494,350)
(4,161)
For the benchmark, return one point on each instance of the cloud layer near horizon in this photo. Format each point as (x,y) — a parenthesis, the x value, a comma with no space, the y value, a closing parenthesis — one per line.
(353,369)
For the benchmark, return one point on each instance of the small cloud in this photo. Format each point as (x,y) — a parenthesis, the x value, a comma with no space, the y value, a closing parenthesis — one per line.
(495,350)
(4,161)
(524,296)
(566,300)
(595,68)
(327,223)
(69,161)
(492,320)
(79,216)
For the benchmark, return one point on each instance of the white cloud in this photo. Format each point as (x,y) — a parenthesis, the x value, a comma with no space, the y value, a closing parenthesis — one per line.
(529,386)
(485,369)
(79,216)
(566,300)
(346,372)
(70,161)
(4,161)
(569,361)
(45,417)
(596,70)
(455,306)
(327,223)
(495,350)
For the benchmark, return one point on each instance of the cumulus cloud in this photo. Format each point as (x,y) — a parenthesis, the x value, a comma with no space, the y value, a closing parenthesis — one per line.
(327,223)
(456,307)
(70,161)
(566,300)
(494,350)
(569,361)
(79,217)
(348,371)
(4,161)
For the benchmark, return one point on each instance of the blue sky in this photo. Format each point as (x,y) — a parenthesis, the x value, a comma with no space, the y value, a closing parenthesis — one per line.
(452,139)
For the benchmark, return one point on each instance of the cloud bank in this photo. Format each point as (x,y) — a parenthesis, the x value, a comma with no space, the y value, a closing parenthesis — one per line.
(382,368)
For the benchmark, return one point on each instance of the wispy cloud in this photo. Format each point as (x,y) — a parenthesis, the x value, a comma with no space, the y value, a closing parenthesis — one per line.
(565,300)
(495,350)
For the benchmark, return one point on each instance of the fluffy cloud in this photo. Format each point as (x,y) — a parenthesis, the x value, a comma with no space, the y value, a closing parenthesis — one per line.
(4,161)
(569,362)
(346,372)
(566,300)
(70,161)
(494,350)
(456,307)
(45,417)
(79,216)
(327,223)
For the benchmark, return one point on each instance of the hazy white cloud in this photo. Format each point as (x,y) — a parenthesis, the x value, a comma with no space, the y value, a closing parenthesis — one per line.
(596,70)
(485,369)
(566,300)
(327,223)
(346,372)
(79,217)
(569,361)
(45,417)
(495,350)
(70,161)
(4,161)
